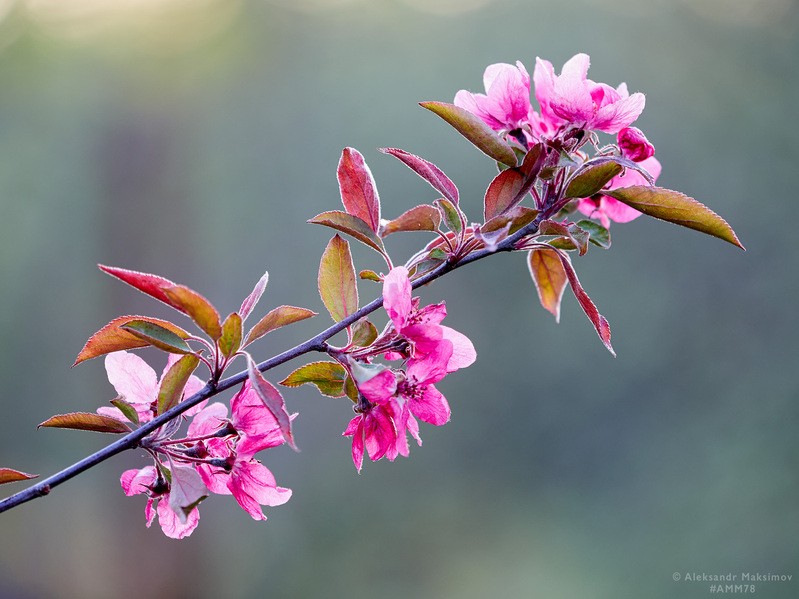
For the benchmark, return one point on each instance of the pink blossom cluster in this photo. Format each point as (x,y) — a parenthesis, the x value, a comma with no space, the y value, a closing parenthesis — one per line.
(571,105)
(215,456)
(391,399)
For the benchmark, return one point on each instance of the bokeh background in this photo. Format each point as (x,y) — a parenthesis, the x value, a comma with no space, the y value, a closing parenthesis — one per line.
(193,138)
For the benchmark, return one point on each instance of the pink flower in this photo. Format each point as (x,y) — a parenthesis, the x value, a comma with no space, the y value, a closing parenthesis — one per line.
(574,99)
(634,144)
(145,481)
(250,482)
(608,209)
(374,429)
(136,382)
(421,327)
(506,104)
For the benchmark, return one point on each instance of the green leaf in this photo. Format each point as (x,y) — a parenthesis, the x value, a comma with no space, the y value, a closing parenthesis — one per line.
(230,341)
(364,333)
(677,208)
(350,390)
(549,277)
(327,376)
(198,308)
(370,275)
(112,337)
(592,179)
(171,390)
(337,286)
(276,318)
(9,475)
(451,215)
(128,411)
(86,421)
(418,218)
(351,225)
(599,235)
(475,130)
(576,235)
(157,336)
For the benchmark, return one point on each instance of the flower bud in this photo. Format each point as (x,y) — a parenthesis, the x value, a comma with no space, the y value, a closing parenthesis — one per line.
(634,144)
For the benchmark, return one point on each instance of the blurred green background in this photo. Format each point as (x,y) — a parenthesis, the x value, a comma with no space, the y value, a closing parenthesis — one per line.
(193,138)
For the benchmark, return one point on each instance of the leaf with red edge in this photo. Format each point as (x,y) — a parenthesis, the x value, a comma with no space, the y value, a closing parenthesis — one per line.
(276,318)
(516,217)
(600,322)
(358,190)
(427,171)
(156,335)
(9,475)
(475,130)
(199,309)
(152,285)
(86,421)
(170,392)
(549,277)
(578,236)
(272,399)
(251,300)
(370,275)
(677,208)
(592,179)
(337,286)
(351,225)
(511,185)
(113,338)
(418,218)
(230,341)
(451,214)
(364,333)
(328,377)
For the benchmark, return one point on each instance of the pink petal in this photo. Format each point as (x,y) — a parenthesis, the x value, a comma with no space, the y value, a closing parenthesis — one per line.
(380,433)
(433,367)
(355,429)
(170,522)
(463,352)
(208,420)
(431,407)
(216,479)
(397,296)
(253,485)
(132,377)
(616,211)
(615,117)
(137,481)
(381,388)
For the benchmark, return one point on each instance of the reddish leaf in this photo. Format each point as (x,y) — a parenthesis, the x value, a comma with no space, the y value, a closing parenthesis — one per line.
(86,421)
(549,277)
(511,185)
(327,376)
(600,322)
(418,218)
(577,236)
(475,130)
(516,217)
(113,338)
(351,225)
(272,399)
(358,189)
(592,179)
(230,341)
(157,336)
(677,208)
(251,300)
(337,286)
(427,171)
(152,285)
(170,391)
(279,317)
(9,475)
(199,309)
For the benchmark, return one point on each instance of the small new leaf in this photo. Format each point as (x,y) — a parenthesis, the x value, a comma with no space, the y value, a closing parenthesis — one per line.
(276,318)
(328,377)
(418,218)
(156,335)
(549,277)
(152,285)
(451,214)
(251,300)
(475,130)
(427,171)
(171,390)
(9,475)
(677,208)
(230,341)
(600,236)
(364,333)
(351,225)
(358,189)
(337,286)
(128,411)
(86,421)
(592,179)
(112,337)
(198,308)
